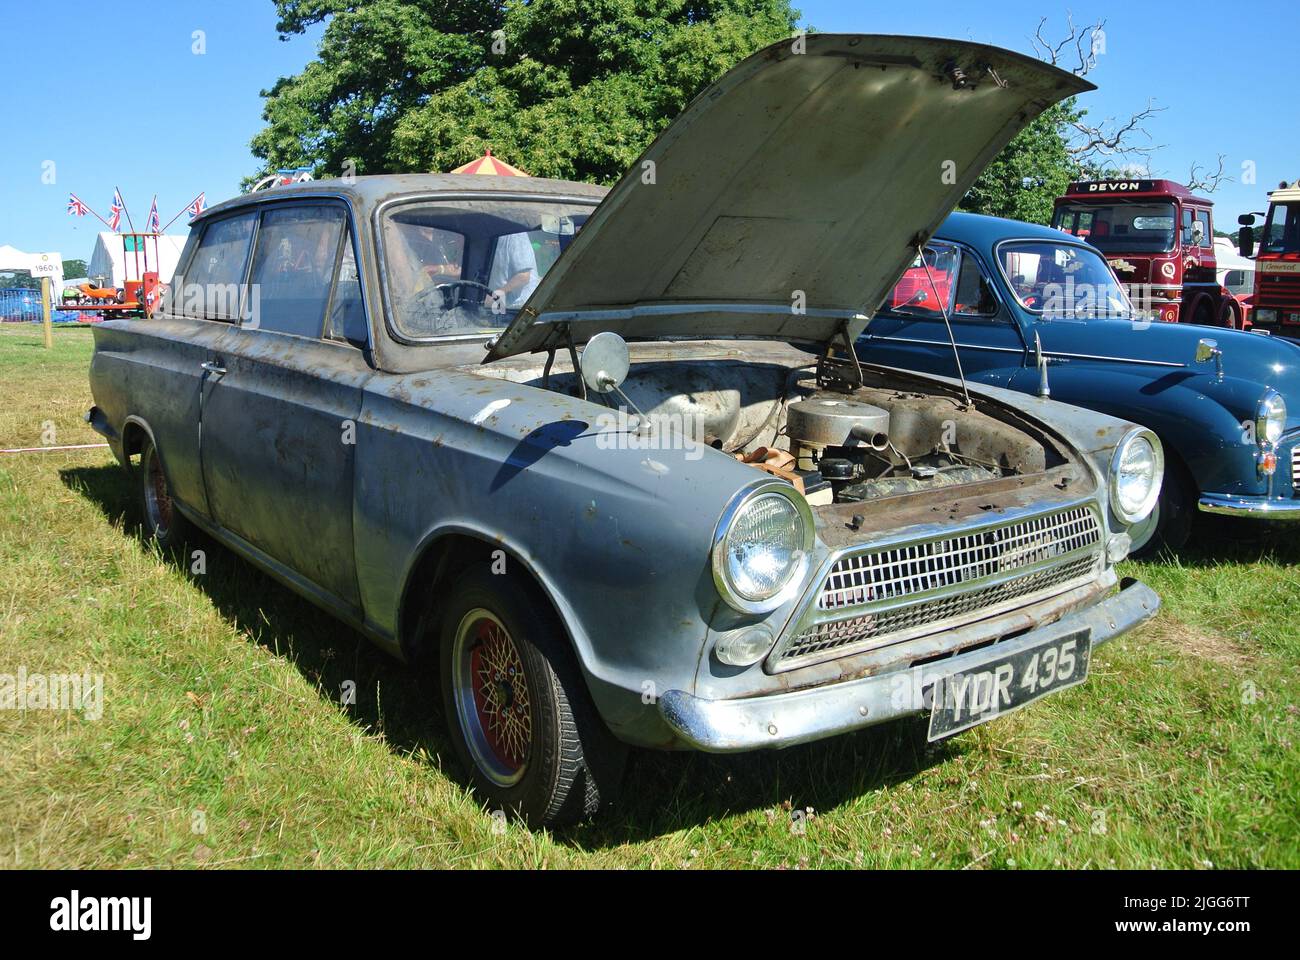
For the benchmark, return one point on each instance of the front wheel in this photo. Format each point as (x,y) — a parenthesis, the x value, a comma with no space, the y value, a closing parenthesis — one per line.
(517,707)
(1170,524)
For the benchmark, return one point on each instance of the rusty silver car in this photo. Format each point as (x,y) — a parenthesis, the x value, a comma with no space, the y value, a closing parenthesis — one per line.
(605,460)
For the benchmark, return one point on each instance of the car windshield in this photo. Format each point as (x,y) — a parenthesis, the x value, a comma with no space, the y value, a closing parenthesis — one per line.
(465,267)
(1062,280)
(1282,229)
(1120,227)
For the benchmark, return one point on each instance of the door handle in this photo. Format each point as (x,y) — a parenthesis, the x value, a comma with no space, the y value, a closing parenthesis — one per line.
(211,366)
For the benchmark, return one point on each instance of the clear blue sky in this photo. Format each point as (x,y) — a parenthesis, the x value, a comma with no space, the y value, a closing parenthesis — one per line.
(191,116)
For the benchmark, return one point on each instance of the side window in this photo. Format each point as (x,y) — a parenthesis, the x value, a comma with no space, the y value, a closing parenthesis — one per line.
(214,280)
(1187,227)
(347,316)
(975,296)
(1207,235)
(293,268)
(926,286)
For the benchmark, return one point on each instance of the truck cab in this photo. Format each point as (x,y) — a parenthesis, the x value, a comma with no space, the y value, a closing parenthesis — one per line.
(1277,262)
(1159,240)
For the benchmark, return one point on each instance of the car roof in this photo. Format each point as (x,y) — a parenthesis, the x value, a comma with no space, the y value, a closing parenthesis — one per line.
(979,230)
(370,191)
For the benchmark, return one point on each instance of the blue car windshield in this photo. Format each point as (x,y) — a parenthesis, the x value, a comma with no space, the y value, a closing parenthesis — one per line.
(1062,280)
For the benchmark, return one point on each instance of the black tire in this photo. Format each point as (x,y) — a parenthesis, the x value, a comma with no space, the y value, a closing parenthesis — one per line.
(1204,314)
(162,522)
(568,763)
(1171,525)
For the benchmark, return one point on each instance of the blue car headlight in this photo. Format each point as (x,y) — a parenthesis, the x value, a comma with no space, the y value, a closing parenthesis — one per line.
(1270,418)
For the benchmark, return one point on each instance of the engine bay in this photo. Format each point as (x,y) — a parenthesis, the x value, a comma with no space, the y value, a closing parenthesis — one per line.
(765,404)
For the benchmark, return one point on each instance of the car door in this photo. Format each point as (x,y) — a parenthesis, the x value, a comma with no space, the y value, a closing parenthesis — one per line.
(180,337)
(283,394)
(910,332)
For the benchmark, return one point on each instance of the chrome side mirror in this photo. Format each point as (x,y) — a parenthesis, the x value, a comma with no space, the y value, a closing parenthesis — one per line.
(604,363)
(1207,350)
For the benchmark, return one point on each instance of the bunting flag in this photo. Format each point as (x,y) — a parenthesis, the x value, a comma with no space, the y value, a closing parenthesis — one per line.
(75,207)
(154,221)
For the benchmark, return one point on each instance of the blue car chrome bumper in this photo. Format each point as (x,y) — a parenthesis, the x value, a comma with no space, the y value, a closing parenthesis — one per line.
(784,719)
(1258,508)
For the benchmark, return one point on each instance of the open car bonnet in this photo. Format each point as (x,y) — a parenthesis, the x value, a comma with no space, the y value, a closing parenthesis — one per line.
(789,197)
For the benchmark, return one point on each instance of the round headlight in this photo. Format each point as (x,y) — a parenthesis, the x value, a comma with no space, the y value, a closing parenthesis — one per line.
(1270,418)
(762,547)
(1136,470)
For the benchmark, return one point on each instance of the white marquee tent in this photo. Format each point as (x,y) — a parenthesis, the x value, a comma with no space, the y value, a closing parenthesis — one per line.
(12,258)
(109,260)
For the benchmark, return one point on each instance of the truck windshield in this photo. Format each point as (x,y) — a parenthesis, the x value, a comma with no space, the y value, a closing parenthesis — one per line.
(458,268)
(1062,280)
(1281,229)
(1120,227)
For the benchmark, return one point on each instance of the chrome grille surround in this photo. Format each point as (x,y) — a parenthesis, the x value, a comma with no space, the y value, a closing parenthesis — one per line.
(884,594)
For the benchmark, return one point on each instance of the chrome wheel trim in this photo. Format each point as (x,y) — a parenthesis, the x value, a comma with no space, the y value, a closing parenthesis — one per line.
(491,697)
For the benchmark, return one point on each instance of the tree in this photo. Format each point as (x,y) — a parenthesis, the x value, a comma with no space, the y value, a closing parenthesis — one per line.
(74,268)
(1062,144)
(562,88)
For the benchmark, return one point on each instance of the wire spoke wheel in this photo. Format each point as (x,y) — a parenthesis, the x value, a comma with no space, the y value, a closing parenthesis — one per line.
(492,698)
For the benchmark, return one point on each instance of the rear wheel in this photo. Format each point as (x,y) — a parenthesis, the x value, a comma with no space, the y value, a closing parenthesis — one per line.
(517,707)
(163,523)
(1204,313)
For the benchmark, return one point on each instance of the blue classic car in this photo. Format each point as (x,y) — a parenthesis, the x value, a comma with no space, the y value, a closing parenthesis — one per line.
(727,535)
(1036,310)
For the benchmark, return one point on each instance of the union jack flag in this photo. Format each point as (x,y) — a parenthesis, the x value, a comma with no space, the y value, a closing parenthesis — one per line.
(115,211)
(75,207)
(153,216)
(197,206)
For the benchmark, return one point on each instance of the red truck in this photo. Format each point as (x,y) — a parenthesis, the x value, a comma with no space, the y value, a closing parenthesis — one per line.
(1159,239)
(1276,303)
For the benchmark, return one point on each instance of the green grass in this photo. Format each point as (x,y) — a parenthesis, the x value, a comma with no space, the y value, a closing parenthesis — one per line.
(223,740)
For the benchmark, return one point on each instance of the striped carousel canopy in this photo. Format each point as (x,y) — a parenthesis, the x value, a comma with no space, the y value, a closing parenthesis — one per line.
(490,165)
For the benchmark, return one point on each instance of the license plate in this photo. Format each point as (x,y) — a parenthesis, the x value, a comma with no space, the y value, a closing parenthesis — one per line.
(963,700)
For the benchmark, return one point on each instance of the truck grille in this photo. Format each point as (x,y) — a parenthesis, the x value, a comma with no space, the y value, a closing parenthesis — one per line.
(1280,291)
(880,597)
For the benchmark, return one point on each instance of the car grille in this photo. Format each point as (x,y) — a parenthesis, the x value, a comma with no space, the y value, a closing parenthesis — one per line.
(1295,470)
(880,597)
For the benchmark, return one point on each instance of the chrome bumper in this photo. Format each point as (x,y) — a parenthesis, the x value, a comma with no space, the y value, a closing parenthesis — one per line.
(1259,508)
(784,719)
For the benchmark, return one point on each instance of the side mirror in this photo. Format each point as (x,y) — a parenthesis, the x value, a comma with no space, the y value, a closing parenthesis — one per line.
(1246,220)
(1207,350)
(1246,239)
(604,362)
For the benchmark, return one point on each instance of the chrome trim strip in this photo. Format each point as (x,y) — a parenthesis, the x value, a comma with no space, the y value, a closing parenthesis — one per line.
(946,346)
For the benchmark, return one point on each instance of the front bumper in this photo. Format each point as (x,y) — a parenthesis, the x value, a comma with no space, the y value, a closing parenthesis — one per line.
(1258,508)
(785,719)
